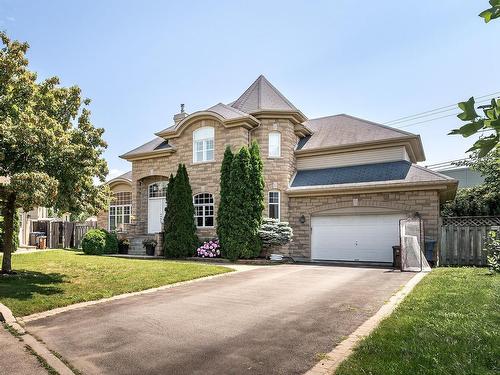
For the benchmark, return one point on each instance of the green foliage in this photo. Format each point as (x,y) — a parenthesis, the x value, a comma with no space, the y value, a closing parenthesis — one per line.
(16,233)
(492,250)
(111,246)
(123,245)
(482,200)
(49,148)
(257,178)
(94,242)
(241,239)
(491,13)
(223,213)
(180,235)
(275,233)
(99,241)
(475,123)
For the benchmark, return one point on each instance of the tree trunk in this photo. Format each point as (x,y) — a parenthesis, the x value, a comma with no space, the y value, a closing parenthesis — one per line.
(9,211)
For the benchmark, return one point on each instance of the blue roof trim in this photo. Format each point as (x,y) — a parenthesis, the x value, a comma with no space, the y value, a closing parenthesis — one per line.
(302,142)
(163,146)
(395,170)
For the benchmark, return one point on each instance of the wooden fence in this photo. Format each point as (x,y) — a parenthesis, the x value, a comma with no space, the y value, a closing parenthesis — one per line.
(79,232)
(463,245)
(61,234)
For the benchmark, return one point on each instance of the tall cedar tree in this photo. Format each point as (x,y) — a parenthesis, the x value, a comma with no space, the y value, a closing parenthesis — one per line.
(167,220)
(181,238)
(49,149)
(257,178)
(240,236)
(223,216)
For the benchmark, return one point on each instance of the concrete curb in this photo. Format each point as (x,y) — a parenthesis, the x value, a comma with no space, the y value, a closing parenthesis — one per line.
(39,348)
(345,348)
(59,310)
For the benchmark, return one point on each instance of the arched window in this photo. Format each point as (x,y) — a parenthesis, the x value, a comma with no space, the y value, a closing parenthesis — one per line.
(203,144)
(274,145)
(158,189)
(204,210)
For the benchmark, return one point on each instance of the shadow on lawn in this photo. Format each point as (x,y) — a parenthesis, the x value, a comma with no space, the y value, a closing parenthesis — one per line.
(24,284)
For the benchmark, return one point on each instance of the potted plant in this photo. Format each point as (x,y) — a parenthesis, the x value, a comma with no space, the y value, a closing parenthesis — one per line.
(150,245)
(123,246)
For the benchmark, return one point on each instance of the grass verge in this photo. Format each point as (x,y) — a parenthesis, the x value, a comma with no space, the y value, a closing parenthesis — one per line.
(449,324)
(52,279)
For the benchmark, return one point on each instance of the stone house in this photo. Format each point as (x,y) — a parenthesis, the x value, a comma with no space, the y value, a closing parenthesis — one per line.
(343,183)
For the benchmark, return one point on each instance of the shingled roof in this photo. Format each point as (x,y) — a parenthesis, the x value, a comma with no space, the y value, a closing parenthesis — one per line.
(344,129)
(366,175)
(263,96)
(157,144)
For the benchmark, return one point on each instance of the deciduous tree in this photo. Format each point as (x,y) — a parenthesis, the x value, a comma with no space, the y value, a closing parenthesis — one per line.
(50,153)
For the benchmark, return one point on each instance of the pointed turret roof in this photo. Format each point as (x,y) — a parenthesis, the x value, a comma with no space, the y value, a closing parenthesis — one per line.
(263,96)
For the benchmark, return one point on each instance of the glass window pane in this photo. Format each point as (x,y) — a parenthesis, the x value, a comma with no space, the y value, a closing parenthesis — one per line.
(199,221)
(209,221)
(273,211)
(274,144)
(209,155)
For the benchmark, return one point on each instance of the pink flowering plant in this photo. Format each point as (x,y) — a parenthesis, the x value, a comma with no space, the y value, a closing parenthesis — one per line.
(209,249)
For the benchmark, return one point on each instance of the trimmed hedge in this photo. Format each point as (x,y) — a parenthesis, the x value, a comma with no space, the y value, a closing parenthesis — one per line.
(99,241)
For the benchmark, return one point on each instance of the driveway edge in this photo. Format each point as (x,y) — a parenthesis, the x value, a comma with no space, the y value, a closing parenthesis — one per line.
(38,347)
(59,310)
(345,348)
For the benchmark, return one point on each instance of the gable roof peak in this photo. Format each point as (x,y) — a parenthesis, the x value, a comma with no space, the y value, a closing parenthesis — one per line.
(262,96)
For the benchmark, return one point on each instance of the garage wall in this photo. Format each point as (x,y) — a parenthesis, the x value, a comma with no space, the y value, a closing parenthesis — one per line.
(425,202)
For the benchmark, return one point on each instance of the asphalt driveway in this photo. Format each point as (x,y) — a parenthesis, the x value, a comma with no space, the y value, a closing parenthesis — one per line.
(271,320)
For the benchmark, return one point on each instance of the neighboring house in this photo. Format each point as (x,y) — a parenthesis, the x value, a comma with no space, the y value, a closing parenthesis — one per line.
(343,183)
(466,177)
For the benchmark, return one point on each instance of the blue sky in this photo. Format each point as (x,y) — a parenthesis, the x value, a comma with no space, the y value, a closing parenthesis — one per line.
(379,60)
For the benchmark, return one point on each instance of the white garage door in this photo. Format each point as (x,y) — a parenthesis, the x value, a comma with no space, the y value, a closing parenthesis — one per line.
(364,238)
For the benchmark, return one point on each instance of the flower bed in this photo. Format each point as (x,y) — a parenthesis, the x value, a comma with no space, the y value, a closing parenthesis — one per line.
(209,249)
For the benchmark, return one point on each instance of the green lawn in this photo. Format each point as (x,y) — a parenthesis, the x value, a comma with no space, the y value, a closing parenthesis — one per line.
(51,279)
(449,324)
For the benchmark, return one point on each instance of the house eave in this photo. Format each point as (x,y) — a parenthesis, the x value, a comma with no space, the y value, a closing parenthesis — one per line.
(296,117)
(414,151)
(248,122)
(148,155)
(446,189)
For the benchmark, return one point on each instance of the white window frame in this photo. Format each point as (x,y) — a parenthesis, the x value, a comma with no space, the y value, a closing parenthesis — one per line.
(203,211)
(274,203)
(207,143)
(122,215)
(270,136)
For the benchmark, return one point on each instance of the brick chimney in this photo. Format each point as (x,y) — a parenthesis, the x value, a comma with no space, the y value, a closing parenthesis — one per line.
(180,116)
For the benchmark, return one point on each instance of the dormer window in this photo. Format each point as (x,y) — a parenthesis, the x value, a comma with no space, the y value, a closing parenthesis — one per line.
(203,145)
(274,145)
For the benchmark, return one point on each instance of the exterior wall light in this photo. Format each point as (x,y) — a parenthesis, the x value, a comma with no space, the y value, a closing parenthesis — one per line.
(302,219)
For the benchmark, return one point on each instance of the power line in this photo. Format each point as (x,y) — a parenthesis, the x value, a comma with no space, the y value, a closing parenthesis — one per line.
(429,120)
(434,111)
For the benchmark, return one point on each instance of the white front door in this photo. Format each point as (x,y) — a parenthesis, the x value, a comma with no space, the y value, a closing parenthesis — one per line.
(156,206)
(366,237)
(156,212)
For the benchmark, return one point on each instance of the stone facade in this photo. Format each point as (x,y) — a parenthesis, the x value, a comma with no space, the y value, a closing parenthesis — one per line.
(205,177)
(426,203)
